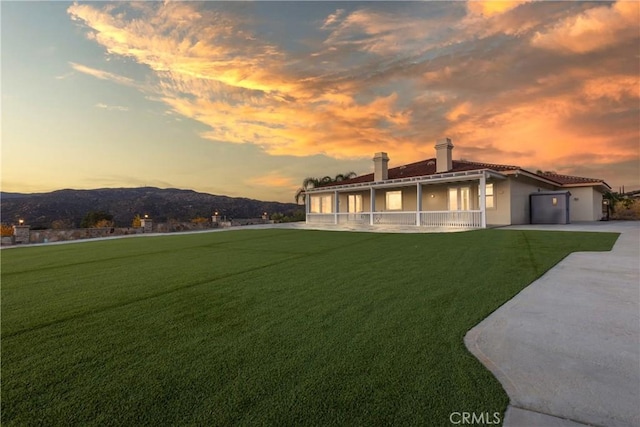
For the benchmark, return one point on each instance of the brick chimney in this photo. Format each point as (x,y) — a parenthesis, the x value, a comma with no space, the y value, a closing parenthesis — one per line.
(444,161)
(381,167)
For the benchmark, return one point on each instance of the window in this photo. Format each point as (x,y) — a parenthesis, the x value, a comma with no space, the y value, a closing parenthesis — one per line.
(325,204)
(459,199)
(321,204)
(394,200)
(464,198)
(489,197)
(453,199)
(354,203)
(315,204)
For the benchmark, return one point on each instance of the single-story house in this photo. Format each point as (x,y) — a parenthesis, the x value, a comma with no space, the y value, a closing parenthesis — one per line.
(446,193)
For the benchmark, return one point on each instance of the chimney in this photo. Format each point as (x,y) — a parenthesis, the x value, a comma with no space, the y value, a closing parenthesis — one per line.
(381,167)
(444,161)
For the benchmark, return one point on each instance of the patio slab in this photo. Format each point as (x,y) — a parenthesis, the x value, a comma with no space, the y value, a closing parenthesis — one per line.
(567,348)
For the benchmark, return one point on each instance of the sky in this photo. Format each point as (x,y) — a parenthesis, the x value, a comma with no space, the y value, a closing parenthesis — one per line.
(247,99)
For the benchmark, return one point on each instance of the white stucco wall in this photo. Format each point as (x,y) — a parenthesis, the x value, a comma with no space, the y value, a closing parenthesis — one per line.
(597,205)
(439,200)
(501,213)
(585,204)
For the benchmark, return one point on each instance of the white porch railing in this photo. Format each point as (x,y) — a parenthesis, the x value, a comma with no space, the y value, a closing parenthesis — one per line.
(458,219)
(442,219)
(359,218)
(394,218)
(321,218)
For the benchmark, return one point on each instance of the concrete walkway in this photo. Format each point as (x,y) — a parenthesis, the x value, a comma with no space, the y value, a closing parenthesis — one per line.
(567,348)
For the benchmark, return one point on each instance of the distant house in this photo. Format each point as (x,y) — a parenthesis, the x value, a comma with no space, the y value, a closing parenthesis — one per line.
(446,193)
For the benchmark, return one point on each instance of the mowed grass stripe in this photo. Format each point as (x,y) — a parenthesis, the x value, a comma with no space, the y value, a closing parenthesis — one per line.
(40,257)
(368,330)
(37,299)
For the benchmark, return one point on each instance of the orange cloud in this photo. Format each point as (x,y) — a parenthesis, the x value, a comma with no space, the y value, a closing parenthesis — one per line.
(380,81)
(459,111)
(595,29)
(274,180)
(491,8)
(540,133)
(244,96)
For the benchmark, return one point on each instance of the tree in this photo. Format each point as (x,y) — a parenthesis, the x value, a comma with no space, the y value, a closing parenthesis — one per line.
(612,199)
(312,182)
(93,218)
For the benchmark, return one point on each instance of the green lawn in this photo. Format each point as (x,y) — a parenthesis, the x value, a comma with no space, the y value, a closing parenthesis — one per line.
(261,327)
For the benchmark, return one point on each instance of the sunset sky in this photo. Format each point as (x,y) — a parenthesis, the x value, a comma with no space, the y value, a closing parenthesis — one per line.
(248,99)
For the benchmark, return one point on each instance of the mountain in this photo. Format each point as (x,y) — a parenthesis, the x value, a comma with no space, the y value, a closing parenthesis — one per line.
(70,206)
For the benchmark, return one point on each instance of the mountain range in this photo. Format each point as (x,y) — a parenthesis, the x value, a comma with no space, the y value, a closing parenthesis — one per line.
(68,207)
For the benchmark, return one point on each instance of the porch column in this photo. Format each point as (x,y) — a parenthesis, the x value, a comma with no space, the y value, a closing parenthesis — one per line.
(418,203)
(483,200)
(307,207)
(336,203)
(373,205)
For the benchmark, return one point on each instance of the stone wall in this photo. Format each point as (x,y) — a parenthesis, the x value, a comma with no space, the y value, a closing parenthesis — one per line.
(55,235)
(50,235)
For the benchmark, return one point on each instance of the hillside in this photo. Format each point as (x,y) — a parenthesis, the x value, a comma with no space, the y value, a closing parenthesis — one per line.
(70,206)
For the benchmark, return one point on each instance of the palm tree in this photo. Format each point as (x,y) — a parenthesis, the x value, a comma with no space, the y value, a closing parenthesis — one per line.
(612,198)
(312,182)
(344,176)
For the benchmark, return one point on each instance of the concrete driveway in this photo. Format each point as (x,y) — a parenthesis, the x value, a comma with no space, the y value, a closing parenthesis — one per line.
(567,348)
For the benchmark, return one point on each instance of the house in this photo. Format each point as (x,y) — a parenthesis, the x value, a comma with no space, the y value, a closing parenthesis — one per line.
(446,193)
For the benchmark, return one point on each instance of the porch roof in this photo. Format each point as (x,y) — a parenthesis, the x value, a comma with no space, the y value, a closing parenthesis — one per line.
(450,176)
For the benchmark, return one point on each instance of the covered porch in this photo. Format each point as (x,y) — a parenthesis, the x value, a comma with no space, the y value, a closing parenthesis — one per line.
(455,200)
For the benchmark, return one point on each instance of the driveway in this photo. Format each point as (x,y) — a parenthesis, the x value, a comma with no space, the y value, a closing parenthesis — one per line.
(567,348)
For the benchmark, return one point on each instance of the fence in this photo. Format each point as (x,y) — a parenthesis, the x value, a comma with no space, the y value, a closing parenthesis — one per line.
(439,219)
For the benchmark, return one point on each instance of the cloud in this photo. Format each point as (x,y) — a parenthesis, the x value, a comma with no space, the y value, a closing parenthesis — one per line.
(244,89)
(274,180)
(391,78)
(595,29)
(459,111)
(397,31)
(64,76)
(332,19)
(111,107)
(491,8)
(102,75)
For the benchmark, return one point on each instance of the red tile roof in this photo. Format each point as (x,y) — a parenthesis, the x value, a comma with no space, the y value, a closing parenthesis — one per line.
(568,179)
(428,167)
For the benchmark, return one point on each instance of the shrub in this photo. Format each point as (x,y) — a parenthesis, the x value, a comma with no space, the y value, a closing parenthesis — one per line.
(93,218)
(627,209)
(6,230)
(200,220)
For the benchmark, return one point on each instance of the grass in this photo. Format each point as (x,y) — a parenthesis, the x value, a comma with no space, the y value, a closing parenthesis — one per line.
(268,327)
